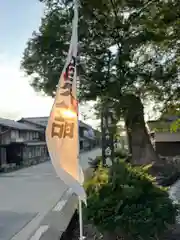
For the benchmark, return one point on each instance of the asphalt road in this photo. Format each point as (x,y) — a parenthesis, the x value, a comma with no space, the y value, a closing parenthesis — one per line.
(27,195)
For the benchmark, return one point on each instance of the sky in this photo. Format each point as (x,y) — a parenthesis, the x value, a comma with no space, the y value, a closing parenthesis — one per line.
(18,19)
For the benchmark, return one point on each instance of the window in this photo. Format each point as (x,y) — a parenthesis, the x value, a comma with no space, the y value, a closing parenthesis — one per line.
(30,153)
(27,136)
(31,136)
(37,151)
(81,132)
(25,152)
(34,135)
(13,134)
(42,151)
(21,135)
(33,151)
(17,134)
(81,145)
(86,133)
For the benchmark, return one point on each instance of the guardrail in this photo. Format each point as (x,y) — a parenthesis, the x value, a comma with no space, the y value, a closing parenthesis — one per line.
(57,220)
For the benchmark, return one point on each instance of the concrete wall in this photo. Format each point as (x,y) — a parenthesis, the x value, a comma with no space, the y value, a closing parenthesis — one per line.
(167,137)
(168,148)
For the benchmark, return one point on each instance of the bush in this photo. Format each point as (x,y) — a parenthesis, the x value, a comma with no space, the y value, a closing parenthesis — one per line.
(167,171)
(125,200)
(119,153)
(94,163)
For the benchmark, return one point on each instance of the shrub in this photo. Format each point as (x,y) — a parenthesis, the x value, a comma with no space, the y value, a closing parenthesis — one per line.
(94,163)
(125,200)
(167,171)
(120,153)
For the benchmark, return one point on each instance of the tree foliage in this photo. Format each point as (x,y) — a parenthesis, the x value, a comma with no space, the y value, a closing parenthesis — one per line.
(143,66)
(172,112)
(175,126)
(125,201)
(145,34)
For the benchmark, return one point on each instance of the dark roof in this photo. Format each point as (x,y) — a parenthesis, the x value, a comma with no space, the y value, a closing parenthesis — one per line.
(34,143)
(16,125)
(39,121)
(31,125)
(42,121)
(170,118)
(162,124)
(82,124)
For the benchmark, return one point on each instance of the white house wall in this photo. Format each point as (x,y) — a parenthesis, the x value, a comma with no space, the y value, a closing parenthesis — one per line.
(167,137)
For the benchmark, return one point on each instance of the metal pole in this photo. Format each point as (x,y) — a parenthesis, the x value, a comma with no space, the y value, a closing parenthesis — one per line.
(81,237)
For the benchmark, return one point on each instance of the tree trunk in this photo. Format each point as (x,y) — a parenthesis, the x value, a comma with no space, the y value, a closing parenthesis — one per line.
(139,142)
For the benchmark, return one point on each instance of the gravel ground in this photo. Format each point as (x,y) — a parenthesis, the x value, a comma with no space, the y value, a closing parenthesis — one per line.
(72,232)
(173,234)
(91,233)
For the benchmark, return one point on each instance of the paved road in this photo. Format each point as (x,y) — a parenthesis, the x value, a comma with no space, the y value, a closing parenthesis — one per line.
(26,197)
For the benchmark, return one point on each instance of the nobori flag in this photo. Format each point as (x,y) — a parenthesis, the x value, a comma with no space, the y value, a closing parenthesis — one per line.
(62,129)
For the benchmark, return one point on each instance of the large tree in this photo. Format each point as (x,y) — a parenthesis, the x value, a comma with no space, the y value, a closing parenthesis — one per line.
(143,67)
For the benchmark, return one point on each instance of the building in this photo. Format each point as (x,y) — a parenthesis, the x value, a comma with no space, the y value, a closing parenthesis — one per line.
(166,142)
(21,143)
(87,135)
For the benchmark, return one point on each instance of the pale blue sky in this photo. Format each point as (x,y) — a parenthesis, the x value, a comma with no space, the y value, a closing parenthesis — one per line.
(18,19)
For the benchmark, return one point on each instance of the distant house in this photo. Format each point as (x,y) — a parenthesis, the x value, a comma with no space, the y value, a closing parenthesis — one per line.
(23,142)
(166,142)
(20,143)
(38,122)
(87,135)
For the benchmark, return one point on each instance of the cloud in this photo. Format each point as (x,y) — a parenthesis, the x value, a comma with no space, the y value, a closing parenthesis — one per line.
(17,98)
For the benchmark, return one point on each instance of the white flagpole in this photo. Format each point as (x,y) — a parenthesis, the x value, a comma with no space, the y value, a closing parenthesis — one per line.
(81,237)
(80,221)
